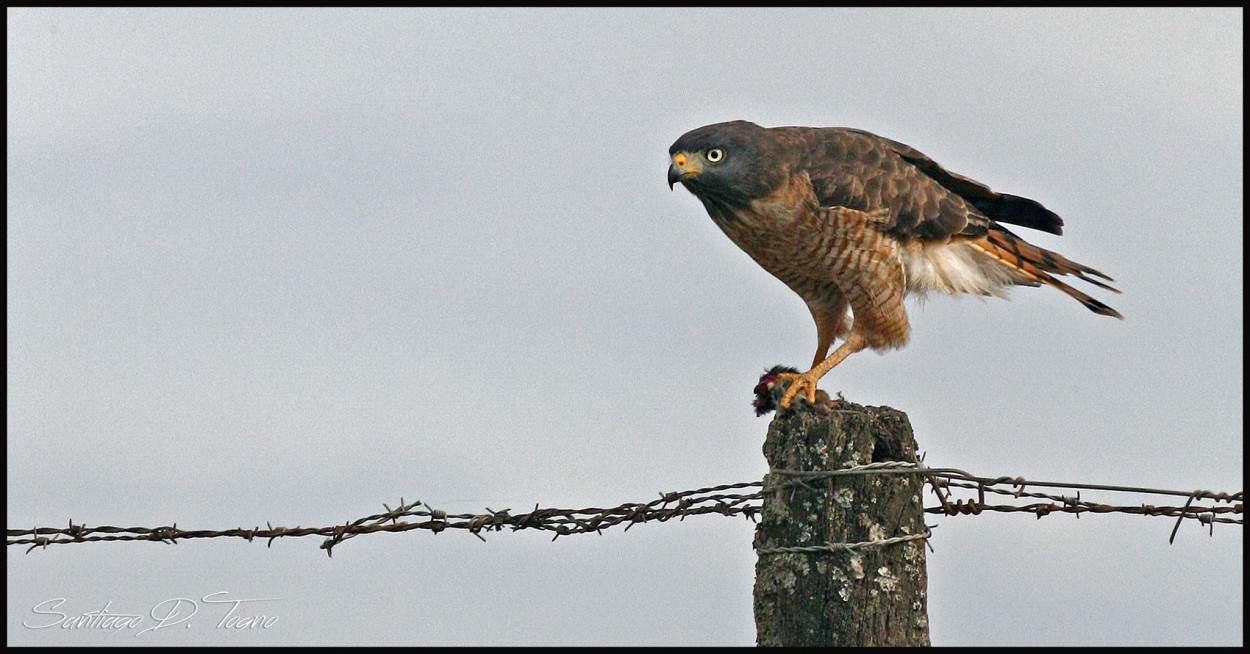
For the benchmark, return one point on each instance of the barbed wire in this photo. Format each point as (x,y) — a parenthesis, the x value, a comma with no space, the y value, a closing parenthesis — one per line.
(846,547)
(944,482)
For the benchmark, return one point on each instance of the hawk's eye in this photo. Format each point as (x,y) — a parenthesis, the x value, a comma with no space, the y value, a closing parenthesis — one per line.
(715,155)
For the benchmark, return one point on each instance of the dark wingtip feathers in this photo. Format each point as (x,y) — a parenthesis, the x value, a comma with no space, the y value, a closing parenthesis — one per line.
(1021,211)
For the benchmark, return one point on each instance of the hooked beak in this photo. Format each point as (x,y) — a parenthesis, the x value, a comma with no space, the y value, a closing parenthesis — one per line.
(681,168)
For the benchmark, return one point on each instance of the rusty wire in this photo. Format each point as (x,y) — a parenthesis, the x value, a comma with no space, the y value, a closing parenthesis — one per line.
(945,479)
(945,483)
(846,547)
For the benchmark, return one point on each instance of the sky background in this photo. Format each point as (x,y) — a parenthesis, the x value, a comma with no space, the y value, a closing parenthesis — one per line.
(287,265)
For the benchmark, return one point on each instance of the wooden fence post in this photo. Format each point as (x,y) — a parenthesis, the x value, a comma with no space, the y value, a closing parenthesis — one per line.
(866,596)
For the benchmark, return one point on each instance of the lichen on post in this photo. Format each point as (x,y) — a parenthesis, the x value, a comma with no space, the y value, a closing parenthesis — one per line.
(868,595)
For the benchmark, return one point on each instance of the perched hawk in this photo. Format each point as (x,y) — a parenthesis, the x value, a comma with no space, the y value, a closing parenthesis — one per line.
(853,221)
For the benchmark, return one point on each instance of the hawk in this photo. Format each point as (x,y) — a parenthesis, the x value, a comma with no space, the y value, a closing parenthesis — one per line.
(853,222)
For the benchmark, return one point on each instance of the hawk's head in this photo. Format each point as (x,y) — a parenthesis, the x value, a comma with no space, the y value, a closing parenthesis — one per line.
(728,163)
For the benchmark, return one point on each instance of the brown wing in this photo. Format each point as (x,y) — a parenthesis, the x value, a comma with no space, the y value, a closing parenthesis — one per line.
(860,170)
(1000,207)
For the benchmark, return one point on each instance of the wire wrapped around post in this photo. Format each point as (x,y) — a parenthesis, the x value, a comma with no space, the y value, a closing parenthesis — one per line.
(841,558)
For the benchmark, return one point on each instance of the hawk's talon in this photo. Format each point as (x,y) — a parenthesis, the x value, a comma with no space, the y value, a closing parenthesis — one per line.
(769,391)
(800,382)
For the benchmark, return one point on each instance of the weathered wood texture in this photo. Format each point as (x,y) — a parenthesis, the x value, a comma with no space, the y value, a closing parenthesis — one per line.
(871,596)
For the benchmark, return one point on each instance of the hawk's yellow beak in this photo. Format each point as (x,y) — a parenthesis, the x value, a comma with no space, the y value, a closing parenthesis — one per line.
(683,166)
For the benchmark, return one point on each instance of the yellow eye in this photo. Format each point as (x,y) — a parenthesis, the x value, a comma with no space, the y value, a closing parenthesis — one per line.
(715,155)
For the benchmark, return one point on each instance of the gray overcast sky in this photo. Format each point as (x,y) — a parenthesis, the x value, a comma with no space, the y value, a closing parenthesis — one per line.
(287,265)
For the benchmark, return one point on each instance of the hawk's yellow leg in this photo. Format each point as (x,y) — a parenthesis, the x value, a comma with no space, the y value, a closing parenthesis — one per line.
(806,382)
